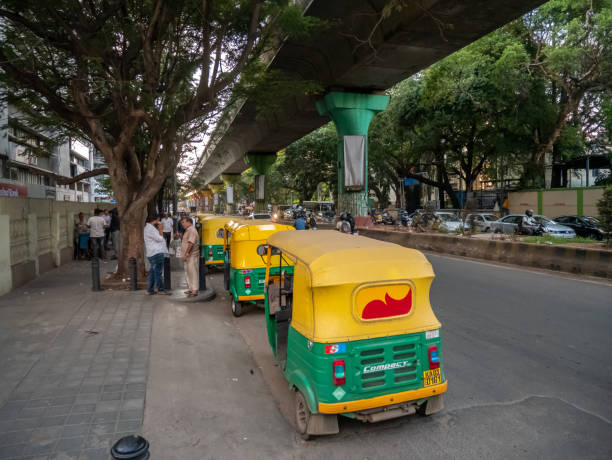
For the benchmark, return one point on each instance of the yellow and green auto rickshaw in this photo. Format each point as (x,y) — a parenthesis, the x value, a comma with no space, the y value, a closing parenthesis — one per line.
(245,278)
(352,328)
(212,238)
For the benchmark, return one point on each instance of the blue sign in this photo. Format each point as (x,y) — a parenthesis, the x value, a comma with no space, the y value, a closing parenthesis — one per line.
(410,181)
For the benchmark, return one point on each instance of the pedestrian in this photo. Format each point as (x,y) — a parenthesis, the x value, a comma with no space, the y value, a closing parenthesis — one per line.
(81,235)
(190,251)
(343,224)
(155,249)
(300,222)
(107,221)
(312,223)
(114,231)
(96,226)
(167,224)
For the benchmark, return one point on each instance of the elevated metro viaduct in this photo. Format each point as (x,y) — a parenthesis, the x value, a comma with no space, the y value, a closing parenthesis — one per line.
(355,75)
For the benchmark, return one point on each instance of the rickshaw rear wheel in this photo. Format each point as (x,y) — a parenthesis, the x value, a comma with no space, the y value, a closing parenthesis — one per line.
(236,308)
(302,415)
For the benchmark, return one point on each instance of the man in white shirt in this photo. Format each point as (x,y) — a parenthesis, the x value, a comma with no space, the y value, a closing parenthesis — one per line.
(155,249)
(96,226)
(167,224)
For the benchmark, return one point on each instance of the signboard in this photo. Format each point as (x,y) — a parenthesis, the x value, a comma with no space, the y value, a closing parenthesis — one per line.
(230,194)
(13,190)
(216,199)
(354,162)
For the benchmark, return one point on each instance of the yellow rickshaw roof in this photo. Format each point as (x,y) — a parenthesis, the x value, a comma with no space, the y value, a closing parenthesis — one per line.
(335,258)
(257,232)
(215,220)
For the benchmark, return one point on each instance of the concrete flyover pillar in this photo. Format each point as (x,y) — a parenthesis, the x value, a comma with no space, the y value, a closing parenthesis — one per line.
(216,189)
(230,181)
(260,162)
(6,276)
(352,114)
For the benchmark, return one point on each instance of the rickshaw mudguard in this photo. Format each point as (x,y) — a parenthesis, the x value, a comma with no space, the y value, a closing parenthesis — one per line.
(298,379)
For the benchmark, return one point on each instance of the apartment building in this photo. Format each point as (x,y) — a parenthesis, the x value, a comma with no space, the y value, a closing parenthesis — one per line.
(29,159)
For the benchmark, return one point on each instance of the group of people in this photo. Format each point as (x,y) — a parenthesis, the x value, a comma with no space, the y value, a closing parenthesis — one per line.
(97,234)
(158,240)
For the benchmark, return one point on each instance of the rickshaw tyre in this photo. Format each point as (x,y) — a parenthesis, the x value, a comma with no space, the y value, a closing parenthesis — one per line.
(302,415)
(236,308)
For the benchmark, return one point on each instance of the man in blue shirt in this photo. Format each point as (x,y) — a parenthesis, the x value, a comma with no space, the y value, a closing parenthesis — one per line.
(300,222)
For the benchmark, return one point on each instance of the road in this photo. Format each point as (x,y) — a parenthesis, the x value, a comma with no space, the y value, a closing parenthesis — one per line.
(528,356)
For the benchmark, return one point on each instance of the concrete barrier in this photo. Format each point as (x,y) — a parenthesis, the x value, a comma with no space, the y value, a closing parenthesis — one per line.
(592,262)
(36,235)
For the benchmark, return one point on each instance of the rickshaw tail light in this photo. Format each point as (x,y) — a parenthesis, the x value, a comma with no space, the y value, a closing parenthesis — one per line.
(210,254)
(247,282)
(434,358)
(338,374)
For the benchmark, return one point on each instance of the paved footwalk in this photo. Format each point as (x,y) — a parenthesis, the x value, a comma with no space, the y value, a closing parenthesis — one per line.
(73,366)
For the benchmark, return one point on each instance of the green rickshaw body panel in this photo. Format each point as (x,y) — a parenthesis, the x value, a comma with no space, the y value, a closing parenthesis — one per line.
(217,253)
(373,367)
(258,280)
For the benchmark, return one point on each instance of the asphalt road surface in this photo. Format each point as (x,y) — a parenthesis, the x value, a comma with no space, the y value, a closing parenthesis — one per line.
(528,356)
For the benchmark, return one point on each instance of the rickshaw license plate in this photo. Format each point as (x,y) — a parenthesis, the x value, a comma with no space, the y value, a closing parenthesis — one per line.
(432,377)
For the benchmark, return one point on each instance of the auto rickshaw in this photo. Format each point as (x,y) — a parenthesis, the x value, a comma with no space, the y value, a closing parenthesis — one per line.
(212,238)
(352,329)
(247,268)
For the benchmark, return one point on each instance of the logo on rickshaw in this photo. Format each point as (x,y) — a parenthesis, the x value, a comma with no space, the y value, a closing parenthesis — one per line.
(384,301)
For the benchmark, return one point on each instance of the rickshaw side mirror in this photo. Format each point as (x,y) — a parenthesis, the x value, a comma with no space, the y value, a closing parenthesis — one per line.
(220,233)
(262,249)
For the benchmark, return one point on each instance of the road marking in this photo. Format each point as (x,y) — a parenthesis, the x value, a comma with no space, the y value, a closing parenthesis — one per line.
(521,268)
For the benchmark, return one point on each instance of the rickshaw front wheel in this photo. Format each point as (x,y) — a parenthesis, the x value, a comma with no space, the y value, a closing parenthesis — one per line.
(236,308)
(302,415)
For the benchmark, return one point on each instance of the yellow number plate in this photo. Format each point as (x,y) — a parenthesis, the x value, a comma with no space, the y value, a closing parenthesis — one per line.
(432,377)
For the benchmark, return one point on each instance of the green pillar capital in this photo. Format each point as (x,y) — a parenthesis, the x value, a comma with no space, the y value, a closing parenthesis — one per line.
(352,114)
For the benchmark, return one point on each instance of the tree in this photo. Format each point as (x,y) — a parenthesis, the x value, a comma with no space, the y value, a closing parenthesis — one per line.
(137,78)
(309,161)
(570,46)
(604,206)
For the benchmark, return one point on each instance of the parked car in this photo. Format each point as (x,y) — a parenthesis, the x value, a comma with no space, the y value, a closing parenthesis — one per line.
(481,221)
(588,227)
(509,224)
(259,215)
(449,221)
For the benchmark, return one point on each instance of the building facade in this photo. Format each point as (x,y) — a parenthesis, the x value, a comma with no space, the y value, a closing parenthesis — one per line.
(29,158)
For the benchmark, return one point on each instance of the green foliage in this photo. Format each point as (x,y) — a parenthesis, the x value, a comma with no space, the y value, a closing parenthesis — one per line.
(604,207)
(104,186)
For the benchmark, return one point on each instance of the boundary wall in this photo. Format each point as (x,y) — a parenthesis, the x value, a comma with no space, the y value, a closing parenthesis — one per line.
(557,202)
(36,235)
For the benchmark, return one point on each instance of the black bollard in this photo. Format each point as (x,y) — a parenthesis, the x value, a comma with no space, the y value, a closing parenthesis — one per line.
(133,273)
(167,274)
(131,448)
(203,271)
(95,274)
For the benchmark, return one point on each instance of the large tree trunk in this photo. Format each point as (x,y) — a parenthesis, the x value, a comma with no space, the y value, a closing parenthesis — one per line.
(132,242)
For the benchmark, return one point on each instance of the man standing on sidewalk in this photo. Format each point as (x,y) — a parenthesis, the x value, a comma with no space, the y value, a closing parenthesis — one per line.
(96,226)
(168,224)
(190,252)
(155,249)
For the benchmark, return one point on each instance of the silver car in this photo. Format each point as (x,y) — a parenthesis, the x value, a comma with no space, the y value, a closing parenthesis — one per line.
(481,221)
(509,225)
(449,221)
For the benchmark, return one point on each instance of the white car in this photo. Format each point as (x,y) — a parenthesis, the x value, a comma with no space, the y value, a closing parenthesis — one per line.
(449,221)
(481,221)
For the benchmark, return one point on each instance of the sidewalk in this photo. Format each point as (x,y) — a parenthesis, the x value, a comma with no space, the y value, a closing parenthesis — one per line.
(79,369)
(74,366)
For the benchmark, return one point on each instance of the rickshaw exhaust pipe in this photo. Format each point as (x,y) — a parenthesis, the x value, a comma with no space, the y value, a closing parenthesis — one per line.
(387,414)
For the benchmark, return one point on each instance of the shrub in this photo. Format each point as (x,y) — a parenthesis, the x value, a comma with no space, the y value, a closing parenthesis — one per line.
(604,207)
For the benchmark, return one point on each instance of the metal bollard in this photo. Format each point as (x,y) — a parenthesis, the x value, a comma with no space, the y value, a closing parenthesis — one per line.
(131,448)
(95,274)
(203,270)
(133,273)
(167,274)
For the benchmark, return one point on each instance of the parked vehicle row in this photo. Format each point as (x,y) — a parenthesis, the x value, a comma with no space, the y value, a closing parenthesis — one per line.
(510,225)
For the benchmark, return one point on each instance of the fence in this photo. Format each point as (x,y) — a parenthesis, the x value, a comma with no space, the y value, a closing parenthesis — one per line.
(35,236)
